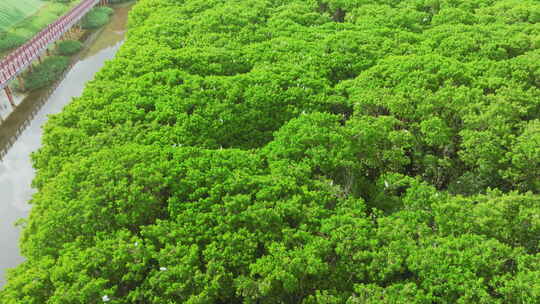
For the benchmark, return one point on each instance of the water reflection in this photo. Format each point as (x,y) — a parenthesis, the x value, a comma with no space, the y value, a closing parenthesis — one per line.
(5,106)
(16,172)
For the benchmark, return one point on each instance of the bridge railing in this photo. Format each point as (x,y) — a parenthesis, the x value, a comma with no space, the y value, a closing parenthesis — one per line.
(17,61)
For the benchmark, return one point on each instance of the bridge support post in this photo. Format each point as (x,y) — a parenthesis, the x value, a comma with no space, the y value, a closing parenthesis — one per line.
(78,31)
(39,58)
(10,96)
(21,82)
(71,33)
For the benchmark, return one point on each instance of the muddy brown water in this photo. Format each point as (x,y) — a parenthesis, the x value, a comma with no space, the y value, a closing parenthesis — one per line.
(16,172)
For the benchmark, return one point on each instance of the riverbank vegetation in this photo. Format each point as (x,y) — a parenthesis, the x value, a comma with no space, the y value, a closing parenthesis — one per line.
(261,151)
(96,18)
(69,47)
(46,73)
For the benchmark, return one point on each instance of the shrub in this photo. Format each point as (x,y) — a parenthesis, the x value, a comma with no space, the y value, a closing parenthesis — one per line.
(10,41)
(69,47)
(96,18)
(46,73)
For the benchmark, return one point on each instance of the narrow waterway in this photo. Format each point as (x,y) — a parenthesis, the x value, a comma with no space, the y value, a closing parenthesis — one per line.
(16,172)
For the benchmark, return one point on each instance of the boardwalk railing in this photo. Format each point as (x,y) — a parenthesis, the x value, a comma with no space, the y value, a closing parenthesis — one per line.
(16,62)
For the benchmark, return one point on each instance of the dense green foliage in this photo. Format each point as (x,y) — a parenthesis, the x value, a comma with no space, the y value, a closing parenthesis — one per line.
(97,17)
(298,151)
(46,73)
(69,47)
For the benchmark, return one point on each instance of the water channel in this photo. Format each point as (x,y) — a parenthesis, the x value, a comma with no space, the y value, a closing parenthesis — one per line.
(16,172)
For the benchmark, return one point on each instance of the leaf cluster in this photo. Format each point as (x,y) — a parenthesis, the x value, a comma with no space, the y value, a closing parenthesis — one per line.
(68,47)
(96,18)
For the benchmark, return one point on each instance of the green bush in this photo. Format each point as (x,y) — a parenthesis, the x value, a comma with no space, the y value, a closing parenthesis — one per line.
(96,18)
(46,73)
(10,41)
(69,47)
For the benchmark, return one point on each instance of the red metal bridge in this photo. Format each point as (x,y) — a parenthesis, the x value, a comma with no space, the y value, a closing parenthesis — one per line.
(20,59)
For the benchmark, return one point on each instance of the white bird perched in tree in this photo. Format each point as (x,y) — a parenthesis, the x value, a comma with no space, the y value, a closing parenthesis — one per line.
(105,298)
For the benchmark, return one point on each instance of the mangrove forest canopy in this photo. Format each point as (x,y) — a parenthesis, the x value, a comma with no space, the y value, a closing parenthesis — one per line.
(297,151)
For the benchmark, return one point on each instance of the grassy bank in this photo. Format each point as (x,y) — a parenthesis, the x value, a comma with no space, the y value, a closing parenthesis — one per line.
(14,11)
(15,34)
